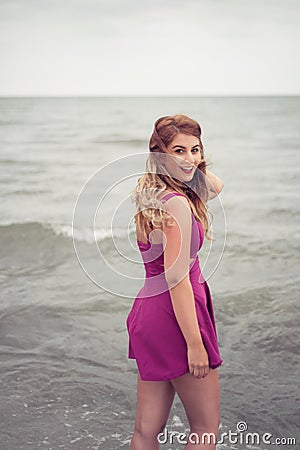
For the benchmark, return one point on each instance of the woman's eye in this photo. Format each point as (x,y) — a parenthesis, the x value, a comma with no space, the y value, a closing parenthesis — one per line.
(180,150)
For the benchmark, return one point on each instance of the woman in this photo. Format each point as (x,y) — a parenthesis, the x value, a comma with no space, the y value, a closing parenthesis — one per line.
(171,325)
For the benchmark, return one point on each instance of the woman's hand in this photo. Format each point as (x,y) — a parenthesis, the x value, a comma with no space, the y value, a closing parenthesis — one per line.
(198,361)
(214,184)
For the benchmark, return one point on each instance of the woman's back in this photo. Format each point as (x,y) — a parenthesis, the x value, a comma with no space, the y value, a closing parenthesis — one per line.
(153,251)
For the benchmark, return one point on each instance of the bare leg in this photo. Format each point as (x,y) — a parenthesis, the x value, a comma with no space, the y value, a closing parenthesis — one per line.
(201,401)
(154,401)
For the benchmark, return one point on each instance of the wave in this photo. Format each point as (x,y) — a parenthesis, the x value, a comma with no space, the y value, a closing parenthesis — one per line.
(39,231)
(21,162)
(284,212)
(134,142)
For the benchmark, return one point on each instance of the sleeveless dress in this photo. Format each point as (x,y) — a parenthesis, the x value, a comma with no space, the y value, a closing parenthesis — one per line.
(155,337)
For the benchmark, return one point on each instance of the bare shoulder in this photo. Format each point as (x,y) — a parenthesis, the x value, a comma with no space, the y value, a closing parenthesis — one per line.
(178,206)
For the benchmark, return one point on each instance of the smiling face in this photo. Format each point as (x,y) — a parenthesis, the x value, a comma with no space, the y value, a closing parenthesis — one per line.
(185,153)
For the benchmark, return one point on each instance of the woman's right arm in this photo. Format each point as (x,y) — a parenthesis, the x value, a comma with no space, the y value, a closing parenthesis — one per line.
(177,241)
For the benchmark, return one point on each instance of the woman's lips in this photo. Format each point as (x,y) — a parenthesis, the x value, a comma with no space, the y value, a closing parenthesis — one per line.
(190,170)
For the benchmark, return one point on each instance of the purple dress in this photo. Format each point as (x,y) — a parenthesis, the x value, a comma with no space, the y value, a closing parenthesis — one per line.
(155,338)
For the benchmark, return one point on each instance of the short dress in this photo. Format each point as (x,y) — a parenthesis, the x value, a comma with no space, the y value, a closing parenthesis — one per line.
(156,341)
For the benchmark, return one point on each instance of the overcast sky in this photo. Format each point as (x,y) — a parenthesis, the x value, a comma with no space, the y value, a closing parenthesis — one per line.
(149,47)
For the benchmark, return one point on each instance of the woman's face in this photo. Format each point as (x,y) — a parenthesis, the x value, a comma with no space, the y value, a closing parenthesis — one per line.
(184,152)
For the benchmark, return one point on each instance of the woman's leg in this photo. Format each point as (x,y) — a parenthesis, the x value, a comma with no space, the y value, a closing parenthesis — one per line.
(154,401)
(201,401)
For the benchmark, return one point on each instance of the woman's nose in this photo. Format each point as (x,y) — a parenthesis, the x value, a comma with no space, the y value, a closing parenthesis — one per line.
(191,158)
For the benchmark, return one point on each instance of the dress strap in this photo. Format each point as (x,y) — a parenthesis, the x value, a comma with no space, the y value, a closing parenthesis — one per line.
(169,195)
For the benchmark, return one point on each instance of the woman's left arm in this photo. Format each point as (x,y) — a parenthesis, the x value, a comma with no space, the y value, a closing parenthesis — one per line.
(214,184)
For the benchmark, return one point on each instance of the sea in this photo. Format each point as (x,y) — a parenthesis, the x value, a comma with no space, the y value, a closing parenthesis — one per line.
(70,267)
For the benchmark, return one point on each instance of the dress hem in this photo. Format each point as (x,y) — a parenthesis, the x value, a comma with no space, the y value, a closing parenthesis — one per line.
(169,377)
(178,374)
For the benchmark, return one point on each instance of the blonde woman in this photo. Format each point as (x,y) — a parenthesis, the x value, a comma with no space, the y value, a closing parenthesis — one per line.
(171,325)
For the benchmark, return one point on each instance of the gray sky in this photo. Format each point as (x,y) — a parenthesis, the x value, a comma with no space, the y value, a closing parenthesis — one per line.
(149,47)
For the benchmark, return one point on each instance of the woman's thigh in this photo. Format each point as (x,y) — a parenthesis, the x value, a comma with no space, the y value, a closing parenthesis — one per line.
(201,400)
(154,401)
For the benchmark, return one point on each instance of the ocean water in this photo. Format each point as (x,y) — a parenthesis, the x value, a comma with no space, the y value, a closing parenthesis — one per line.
(66,381)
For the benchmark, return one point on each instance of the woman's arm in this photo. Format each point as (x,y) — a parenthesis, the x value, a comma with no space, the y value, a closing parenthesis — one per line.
(214,184)
(177,241)
(184,308)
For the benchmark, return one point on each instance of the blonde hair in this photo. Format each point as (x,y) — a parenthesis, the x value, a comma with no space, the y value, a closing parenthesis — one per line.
(151,211)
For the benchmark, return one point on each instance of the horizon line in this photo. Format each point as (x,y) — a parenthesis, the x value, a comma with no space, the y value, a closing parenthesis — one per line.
(145,95)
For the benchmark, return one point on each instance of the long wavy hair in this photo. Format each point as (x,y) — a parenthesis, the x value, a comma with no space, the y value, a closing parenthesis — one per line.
(151,186)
